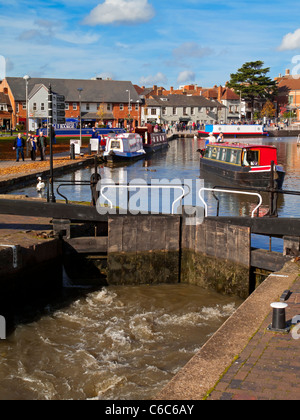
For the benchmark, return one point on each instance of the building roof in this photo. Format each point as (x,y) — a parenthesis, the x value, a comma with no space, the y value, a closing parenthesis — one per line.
(4,99)
(182,100)
(107,91)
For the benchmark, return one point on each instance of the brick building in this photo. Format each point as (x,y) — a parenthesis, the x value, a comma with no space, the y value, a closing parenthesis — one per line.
(288,98)
(5,112)
(109,101)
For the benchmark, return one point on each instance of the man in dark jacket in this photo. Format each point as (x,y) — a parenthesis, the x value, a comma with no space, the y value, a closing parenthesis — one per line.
(42,144)
(19,145)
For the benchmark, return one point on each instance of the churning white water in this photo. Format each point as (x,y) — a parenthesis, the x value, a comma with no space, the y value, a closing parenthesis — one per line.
(117,343)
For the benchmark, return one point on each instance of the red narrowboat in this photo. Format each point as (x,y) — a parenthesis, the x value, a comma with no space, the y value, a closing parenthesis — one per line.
(152,141)
(243,164)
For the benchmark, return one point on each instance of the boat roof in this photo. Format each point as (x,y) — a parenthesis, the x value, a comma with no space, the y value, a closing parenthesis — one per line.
(243,145)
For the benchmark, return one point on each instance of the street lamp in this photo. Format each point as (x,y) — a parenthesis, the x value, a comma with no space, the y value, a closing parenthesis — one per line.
(27,78)
(79,92)
(129,105)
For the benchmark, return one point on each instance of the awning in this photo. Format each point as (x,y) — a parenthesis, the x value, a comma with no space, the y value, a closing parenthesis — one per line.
(93,116)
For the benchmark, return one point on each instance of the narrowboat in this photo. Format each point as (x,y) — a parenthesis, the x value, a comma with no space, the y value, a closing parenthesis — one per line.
(243,164)
(244,130)
(124,147)
(152,141)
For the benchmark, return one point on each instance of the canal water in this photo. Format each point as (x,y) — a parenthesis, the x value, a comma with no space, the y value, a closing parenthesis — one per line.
(121,343)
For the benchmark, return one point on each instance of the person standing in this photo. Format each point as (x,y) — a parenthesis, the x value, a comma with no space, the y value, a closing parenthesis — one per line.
(19,145)
(32,147)
(42,144)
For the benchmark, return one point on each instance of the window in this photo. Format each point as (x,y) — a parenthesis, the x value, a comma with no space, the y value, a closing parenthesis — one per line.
(24,105)
(153,111)
(130,107)
(42,107)
(109,107)
(74,106)
(87,107)
(121,107)
(184,110)
(136,107)
(67,106)
(164,110)
(193,111)
(34,106)
(174,111)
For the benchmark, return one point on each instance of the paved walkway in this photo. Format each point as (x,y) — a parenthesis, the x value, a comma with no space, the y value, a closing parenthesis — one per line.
(269,366)
(243,360)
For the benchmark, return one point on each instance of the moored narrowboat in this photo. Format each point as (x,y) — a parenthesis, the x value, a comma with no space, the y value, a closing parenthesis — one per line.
(124,147)
(243,164)
(152,141)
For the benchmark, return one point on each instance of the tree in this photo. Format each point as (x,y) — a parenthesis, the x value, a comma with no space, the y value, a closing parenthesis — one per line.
(268,110)
(252,82)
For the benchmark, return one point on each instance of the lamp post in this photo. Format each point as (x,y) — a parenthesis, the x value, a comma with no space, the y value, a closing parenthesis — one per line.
(79,92)
(129,105)
(27,78)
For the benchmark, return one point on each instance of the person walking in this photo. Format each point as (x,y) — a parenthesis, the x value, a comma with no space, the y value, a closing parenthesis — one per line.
(42,144)
(32,146)
(19,145)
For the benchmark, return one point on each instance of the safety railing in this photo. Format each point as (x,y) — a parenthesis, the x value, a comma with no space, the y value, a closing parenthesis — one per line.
(213,190)
(130,186)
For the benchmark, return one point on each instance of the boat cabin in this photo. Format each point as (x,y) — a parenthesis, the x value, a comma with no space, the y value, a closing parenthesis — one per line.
(125,143)
(241,154)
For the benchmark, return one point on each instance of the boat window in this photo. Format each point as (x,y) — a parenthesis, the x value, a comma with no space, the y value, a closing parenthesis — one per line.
(219,155)
(224,154)
(252,157)
(115,144)
(208,152)
(235,156)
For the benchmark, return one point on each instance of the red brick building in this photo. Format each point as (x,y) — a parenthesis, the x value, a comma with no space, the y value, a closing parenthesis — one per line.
(107,101)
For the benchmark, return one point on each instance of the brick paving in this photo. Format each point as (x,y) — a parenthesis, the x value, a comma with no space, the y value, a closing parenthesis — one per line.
(269,366)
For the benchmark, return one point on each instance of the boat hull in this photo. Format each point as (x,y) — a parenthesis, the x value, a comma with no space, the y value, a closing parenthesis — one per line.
(113,157)
(240,176)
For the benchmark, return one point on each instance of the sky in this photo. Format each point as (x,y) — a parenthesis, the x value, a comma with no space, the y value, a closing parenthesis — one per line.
(149,42)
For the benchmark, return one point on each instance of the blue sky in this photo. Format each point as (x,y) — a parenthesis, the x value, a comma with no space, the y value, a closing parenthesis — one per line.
(162,42)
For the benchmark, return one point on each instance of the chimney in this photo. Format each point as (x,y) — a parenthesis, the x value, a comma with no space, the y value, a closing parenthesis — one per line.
(220,90)
(171,89)
(287,72)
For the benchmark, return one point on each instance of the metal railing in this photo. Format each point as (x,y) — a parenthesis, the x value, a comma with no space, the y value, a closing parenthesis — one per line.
(169,187)
(213,190)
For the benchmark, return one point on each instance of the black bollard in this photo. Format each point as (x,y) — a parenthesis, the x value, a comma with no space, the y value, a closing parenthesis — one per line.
(72,151)
(279,323)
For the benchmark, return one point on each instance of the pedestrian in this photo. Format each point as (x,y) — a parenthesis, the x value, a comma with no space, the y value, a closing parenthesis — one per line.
(42,144)
(95,134)
(32,146)
(19,145)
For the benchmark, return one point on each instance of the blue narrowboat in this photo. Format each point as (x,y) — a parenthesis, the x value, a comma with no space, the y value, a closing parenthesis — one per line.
(124,147)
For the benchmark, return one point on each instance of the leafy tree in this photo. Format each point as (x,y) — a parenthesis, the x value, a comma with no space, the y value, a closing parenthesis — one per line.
(268,110)
(252,82)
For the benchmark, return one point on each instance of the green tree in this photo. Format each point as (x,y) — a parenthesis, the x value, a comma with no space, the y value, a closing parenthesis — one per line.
(252,82)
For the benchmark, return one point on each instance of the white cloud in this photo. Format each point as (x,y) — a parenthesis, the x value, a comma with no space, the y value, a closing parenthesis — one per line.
(120,11)
(290,41)
(186,76)
(191,49)
(153,80)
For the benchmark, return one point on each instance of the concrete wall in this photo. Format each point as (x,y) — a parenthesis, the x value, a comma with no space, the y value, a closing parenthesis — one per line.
(164,249)
(143,249)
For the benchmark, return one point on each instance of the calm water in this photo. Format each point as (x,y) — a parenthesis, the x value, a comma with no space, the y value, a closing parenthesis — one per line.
(127,342)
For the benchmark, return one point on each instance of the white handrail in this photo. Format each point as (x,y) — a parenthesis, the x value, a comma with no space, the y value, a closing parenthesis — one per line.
(144,186)
(232,192)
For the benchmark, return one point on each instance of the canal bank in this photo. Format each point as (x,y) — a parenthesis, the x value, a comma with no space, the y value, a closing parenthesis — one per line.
(243,360)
